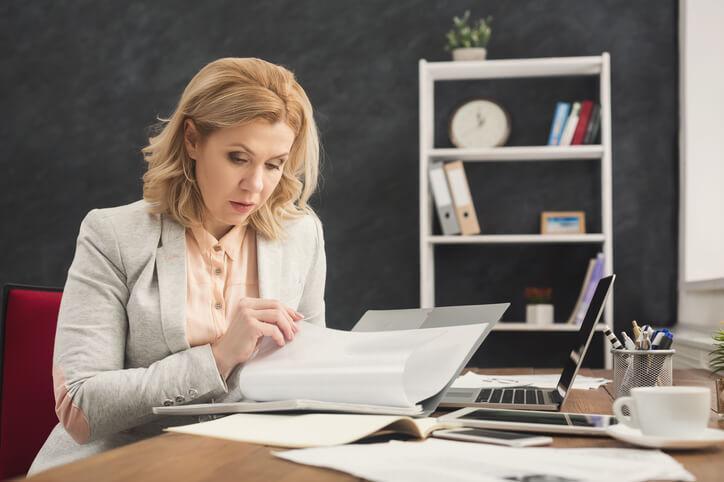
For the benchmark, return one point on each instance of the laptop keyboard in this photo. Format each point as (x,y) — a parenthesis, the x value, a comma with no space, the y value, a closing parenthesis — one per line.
(529,396)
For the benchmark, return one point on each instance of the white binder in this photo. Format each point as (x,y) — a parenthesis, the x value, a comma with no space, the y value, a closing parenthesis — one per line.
(460,190)
(443,200)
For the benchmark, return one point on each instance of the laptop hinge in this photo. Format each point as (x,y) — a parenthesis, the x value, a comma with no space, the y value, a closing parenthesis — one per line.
(556,396)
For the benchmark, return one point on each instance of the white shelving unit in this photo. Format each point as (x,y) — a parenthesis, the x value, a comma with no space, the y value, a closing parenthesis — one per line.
(431,72)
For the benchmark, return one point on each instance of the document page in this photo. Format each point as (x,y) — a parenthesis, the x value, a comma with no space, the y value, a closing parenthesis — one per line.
(394,368)
(474,380)
(435,460)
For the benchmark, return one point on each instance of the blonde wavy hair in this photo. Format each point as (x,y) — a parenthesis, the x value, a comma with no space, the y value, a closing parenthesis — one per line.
(226,93)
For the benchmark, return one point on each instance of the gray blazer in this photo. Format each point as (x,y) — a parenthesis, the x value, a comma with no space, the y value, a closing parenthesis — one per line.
(121,341)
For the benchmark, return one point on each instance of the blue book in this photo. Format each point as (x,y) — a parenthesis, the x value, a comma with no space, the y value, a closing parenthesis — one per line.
(559,121)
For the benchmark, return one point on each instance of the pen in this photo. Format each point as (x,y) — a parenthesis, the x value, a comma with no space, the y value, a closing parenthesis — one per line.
(612,338)
(666,342)
(645,340)
(635,330)
(658,337)
(630,345)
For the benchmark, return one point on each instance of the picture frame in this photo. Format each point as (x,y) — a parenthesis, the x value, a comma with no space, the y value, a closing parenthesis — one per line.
(563,222)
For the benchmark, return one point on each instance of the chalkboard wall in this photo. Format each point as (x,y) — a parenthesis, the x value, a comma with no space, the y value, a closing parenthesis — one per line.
(83,80)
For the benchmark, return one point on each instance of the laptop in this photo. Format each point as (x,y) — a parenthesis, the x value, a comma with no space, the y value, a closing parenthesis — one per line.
(531,397)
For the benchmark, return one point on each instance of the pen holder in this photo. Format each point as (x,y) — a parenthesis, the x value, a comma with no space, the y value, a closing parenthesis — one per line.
(641,368)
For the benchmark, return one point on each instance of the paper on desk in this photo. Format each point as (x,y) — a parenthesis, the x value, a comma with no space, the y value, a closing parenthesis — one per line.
(396,368)
(474,380)
(435,460)
(306,430)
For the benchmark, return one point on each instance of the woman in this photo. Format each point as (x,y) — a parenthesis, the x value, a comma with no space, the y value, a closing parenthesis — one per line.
(167,297)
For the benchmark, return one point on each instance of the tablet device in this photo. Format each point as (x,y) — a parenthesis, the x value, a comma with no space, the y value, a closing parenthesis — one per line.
(497,437)
(532,421)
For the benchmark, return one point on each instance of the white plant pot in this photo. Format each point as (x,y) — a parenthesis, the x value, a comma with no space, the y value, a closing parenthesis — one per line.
(539,314)
(470,53)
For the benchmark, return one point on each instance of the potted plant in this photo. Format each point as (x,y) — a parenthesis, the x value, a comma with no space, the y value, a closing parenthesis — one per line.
(469,42)
(716,363)
(539,309)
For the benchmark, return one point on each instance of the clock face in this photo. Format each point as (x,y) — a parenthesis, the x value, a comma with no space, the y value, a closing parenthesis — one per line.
(479,123)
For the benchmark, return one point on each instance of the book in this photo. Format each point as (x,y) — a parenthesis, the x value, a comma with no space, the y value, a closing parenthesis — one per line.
(596,275)
(312,429)
(401,372)
(559,119)
(593,126)
(583,119)
(570,127)
(584,285)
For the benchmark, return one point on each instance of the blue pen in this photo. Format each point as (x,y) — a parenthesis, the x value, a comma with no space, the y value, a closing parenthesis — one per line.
(659,335)
(666,341)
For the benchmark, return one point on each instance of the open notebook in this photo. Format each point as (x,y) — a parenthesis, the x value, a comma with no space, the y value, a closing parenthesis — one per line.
(403,372)
(311,429)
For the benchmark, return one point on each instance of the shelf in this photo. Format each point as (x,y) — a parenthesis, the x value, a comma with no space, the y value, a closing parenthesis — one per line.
(509,68)
(596,68)
(517,239)
(525,153)
(521,326)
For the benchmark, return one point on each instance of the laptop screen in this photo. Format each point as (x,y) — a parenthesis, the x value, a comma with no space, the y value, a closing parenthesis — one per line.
(583,339)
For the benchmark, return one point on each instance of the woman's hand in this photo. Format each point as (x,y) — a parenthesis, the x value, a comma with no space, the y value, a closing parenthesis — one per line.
(254,319)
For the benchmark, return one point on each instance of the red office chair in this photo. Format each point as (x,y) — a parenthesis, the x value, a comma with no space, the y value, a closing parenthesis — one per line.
(27,406)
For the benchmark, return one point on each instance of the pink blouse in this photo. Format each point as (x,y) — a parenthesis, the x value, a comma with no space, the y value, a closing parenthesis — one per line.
(219,274)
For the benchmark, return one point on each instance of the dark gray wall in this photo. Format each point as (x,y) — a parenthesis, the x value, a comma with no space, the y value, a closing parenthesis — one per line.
(82,81)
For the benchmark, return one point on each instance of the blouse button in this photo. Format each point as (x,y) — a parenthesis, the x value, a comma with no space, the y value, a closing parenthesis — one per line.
(217,271)
(217,306)
(217,248)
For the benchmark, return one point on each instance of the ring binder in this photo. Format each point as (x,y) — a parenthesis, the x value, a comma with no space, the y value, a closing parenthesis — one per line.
(460,190)
(443,201)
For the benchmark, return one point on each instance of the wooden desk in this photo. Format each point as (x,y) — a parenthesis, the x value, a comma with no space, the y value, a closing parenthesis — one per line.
(179,457)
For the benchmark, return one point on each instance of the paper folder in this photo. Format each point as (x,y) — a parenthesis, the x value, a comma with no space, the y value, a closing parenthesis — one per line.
(458,183)
(443,201)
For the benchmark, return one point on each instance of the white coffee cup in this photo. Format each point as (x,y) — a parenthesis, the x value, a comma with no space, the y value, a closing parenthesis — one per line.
(666,411)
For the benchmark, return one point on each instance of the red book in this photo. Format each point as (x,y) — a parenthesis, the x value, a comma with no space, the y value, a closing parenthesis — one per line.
(583,118)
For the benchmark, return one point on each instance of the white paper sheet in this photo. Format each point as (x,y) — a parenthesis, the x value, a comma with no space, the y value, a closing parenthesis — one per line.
(474,380)
(396,368)
(435,460)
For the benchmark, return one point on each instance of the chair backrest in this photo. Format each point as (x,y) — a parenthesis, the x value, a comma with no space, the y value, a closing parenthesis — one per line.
(27,407)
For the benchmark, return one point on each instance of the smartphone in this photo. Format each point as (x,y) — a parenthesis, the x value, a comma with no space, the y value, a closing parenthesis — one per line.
(511,439)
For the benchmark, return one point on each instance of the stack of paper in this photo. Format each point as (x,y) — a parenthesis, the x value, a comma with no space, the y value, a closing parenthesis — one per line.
(474,380)
(395,368)
(436,460)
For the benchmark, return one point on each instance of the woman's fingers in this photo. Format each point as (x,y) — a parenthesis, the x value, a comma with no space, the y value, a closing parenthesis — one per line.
(268,304)
(263,304)
(294,314)
(268,329)
(278,317)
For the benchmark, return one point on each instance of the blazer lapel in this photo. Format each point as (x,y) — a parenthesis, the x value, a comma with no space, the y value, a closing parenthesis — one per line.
(269,264)
(171,268)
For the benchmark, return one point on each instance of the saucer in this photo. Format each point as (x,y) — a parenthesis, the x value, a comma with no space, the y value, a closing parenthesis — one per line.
(709,436)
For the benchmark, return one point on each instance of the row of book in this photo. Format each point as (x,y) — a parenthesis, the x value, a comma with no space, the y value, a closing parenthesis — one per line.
(575,123)
(451,193)
(596,270)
